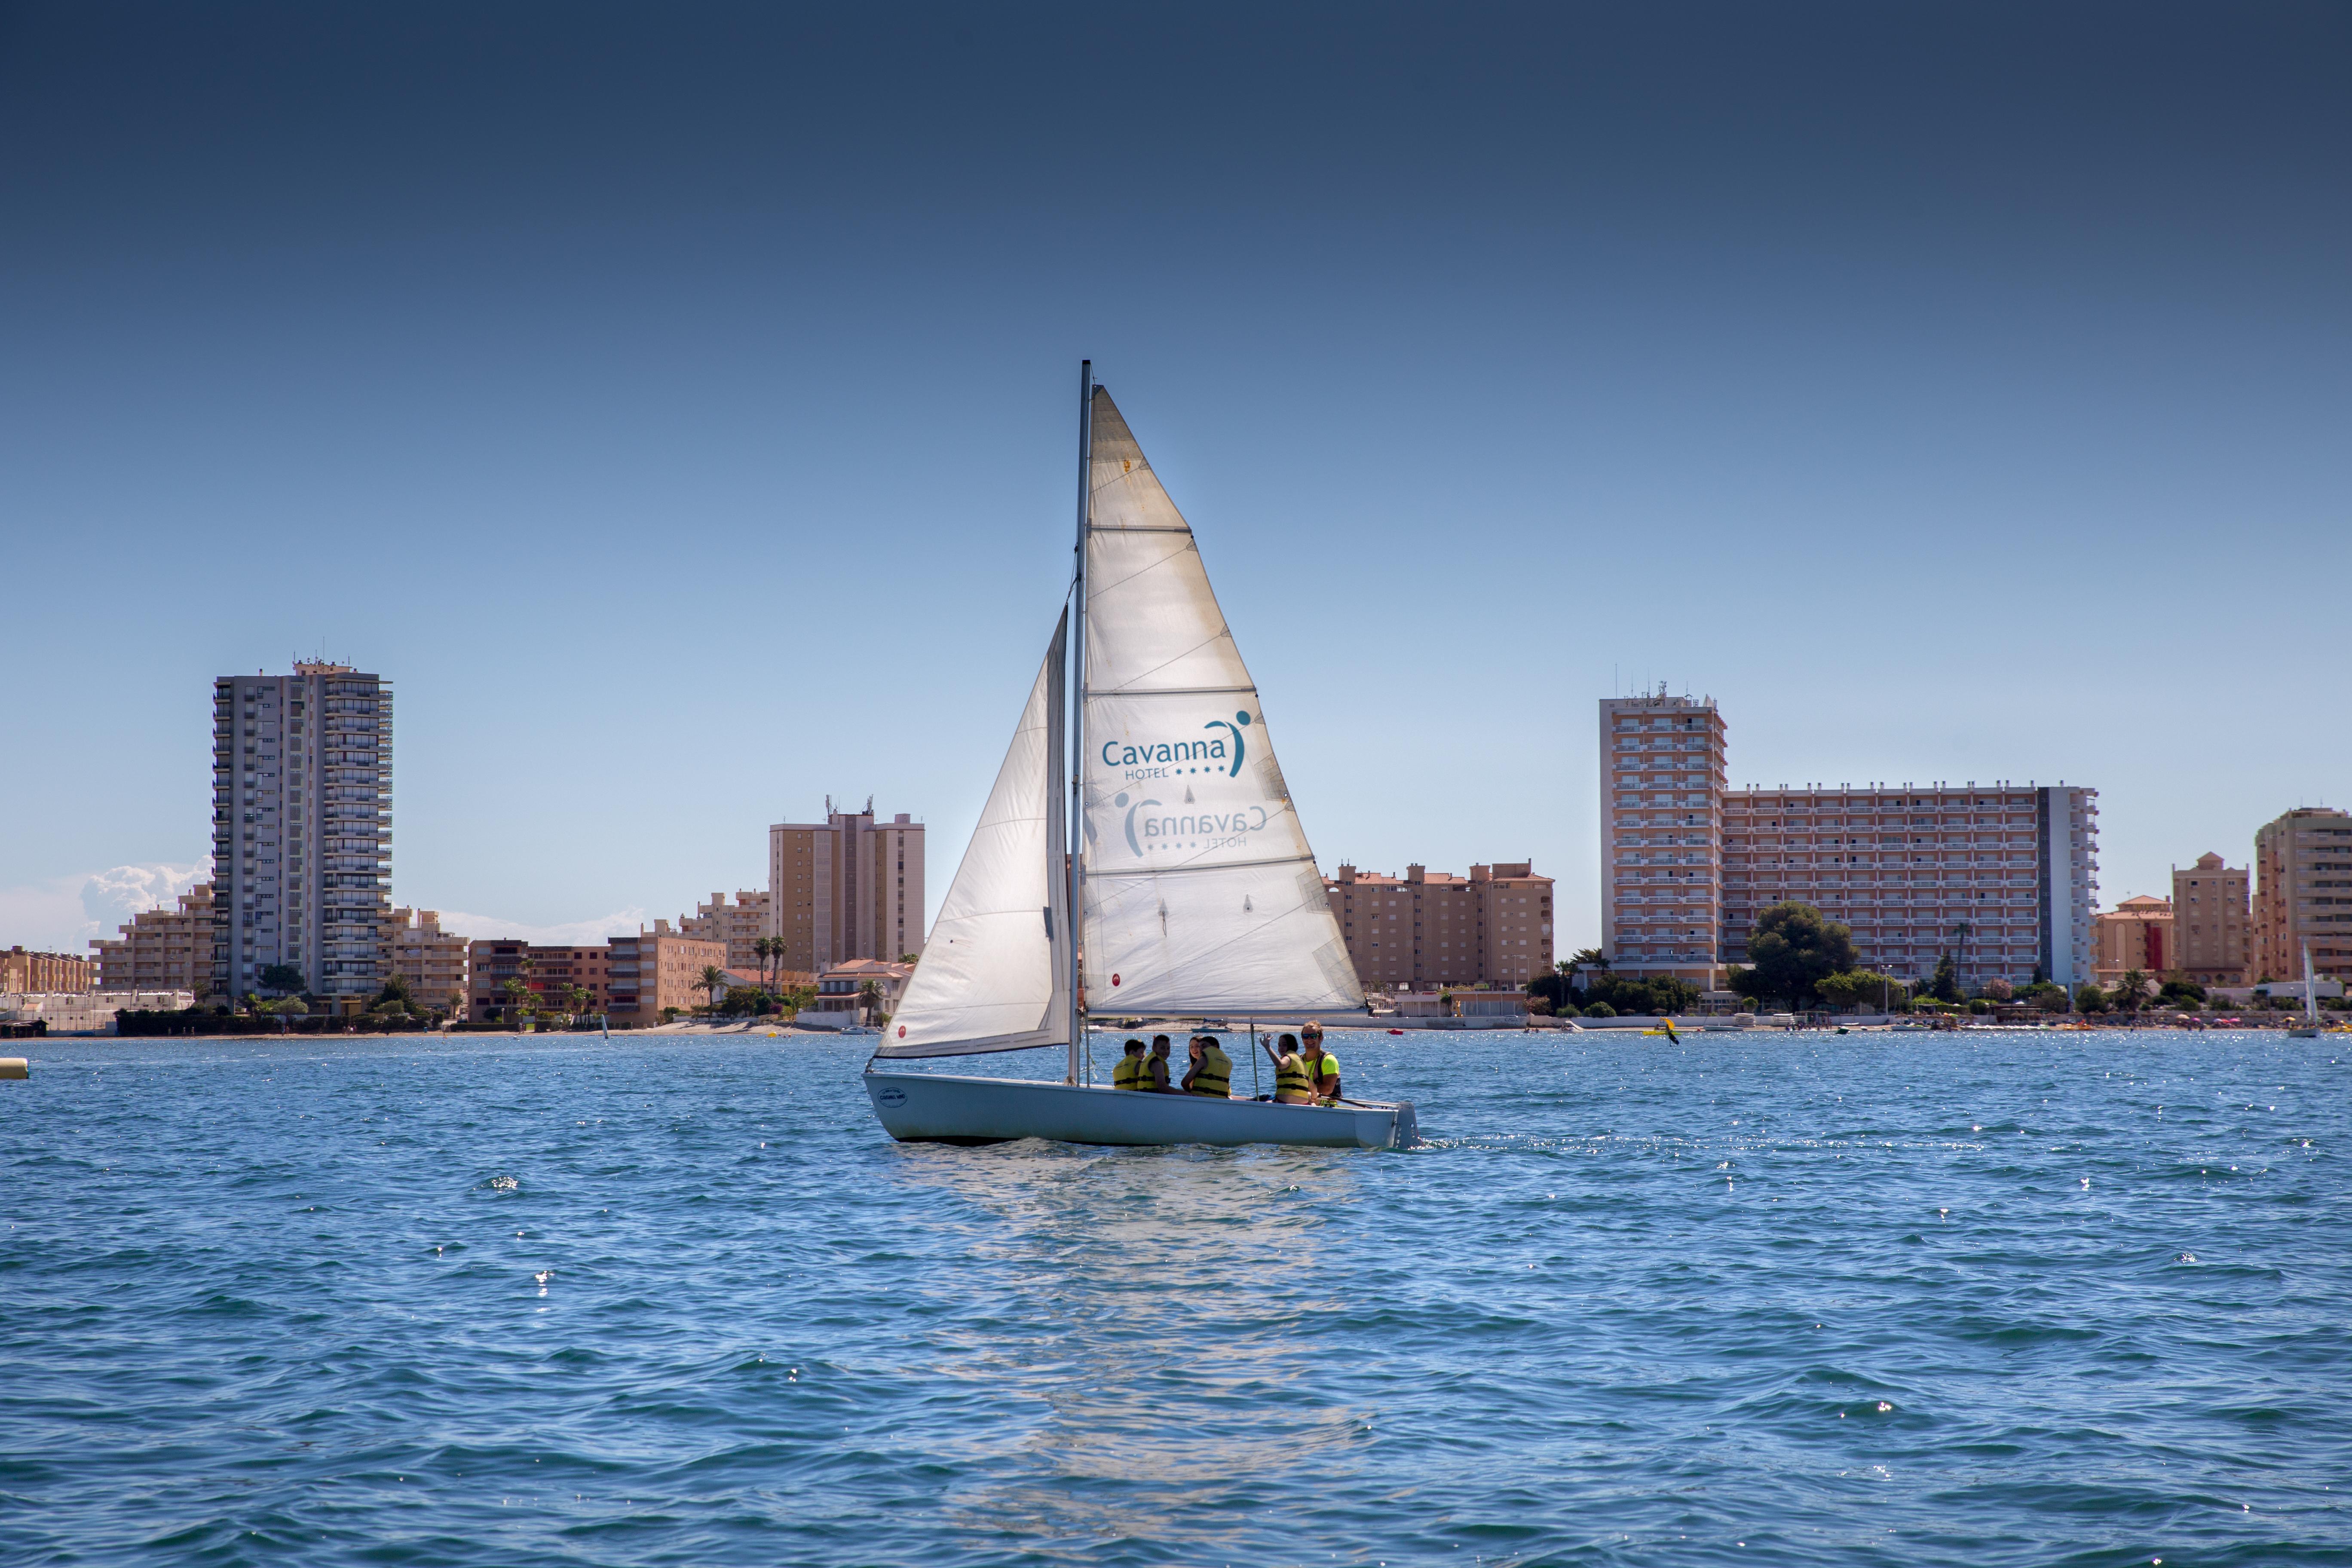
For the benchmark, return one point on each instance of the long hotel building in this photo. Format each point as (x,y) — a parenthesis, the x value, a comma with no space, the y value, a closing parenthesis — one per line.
(302,829)
(1687,863)
(2000,876)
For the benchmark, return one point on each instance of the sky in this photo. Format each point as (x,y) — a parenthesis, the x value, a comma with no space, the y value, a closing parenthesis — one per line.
(678,404)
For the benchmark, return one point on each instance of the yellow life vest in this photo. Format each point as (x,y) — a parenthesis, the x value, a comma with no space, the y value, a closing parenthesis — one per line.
(1291,1084)
(1131,1073)
(1216,1075)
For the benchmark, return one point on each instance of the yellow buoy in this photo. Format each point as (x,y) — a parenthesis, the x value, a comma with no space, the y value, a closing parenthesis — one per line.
(14,1067)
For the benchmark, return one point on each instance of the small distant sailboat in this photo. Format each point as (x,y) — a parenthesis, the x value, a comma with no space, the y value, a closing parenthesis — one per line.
(1163,870)
(2309,1028)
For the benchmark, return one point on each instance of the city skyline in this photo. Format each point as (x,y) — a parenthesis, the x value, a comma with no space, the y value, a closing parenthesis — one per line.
(706,443)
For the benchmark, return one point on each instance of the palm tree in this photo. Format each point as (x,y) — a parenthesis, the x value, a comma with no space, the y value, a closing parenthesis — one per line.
(767,947)
(869,997)
(516,991)
(577,996)
(712,981)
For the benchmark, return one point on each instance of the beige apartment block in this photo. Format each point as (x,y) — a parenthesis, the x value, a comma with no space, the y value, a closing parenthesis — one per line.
(739,925)
(164,949)
(2135,935)
(434,962)
(302,829)
(547,971)
(2001,876)
(1662,827)
(849,887)
(2211,921)
(2303,895)
(656,970)
(1428,928)
(51,973)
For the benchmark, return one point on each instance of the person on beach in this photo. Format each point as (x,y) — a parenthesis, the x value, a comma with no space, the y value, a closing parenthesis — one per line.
(1212,1073)
(1321,1064)
(1292,1083)
(1129,1073)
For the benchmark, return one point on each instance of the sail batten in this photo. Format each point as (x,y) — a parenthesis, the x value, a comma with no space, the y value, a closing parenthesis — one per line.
(1201,888)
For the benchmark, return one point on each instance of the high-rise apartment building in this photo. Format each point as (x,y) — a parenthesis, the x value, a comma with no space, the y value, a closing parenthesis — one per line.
(162,950)
(2000,876)
(2303,895)
(433,961)
(1431,928)
(849,887)
(302,829)
(1661,788)
(2209,922)
(50,973)
(739,925)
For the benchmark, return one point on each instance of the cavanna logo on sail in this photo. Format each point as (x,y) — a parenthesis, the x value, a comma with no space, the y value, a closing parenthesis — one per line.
(1116,754)
(1228,825)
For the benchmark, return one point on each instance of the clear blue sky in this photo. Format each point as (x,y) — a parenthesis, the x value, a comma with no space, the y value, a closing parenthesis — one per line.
(675,402)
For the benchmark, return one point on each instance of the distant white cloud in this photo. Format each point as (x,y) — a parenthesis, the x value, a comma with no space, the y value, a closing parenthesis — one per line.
(65,914)
(484,928)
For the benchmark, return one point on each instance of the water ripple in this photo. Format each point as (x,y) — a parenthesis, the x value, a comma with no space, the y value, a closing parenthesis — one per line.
(1791,1300)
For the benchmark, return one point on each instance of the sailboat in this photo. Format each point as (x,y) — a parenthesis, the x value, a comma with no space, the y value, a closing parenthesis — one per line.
(2309,1028)
(1139,855)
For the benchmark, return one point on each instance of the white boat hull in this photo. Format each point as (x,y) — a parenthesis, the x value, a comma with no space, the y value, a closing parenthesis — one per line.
(941,1108)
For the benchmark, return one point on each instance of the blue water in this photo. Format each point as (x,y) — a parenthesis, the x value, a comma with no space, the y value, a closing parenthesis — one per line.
(1869,1300)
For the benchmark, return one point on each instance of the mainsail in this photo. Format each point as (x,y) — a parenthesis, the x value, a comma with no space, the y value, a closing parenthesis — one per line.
(995,975)
(1201,893)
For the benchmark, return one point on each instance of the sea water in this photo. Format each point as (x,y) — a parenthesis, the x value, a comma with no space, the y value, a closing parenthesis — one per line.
(1754,1298)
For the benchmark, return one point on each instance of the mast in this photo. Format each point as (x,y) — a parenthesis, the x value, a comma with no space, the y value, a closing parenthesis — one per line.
(1078,723)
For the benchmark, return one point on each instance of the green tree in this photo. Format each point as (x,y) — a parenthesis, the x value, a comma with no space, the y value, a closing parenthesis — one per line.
(1944,985)
(577,996)
(518,992)
(280,977)
(1658,997)
(2131,990)
(1794,947)
(2183,992)
(2090,999)
(711,982)
(1864,990)
(869,997)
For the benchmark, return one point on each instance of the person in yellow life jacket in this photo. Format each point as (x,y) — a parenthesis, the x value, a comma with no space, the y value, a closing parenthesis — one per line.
(1212,1071)
(1156,1078)
(1129,1072)
(1321,1064)
(1292,1083)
